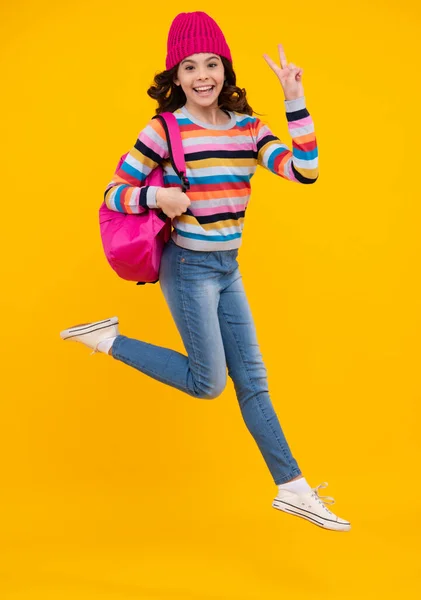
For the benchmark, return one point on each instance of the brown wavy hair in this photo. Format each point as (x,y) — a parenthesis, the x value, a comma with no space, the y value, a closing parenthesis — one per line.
(171,96)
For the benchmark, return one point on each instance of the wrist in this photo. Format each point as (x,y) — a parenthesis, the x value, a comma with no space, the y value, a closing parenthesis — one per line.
(287,98)
(295,104)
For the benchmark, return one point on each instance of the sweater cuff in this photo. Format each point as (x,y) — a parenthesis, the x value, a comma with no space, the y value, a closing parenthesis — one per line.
(151,196)
(294,105)
(147,197)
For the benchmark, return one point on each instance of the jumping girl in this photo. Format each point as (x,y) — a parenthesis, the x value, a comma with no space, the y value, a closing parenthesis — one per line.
(199,274)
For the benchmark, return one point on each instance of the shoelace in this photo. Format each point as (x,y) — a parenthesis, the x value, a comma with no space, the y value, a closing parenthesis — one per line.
(322,499)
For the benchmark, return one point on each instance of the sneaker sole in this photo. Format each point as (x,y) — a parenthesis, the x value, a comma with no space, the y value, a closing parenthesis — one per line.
(87,328)
(315,519)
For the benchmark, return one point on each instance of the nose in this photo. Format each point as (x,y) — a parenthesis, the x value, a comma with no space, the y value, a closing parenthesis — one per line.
(202,75)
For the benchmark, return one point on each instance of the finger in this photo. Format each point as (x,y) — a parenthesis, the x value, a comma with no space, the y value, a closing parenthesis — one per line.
(282,56)
(271,63)
(293,72)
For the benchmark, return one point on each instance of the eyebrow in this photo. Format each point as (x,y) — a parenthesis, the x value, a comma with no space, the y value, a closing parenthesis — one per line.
(193,61)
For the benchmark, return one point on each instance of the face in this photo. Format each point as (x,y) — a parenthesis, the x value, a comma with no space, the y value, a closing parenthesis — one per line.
(202,77)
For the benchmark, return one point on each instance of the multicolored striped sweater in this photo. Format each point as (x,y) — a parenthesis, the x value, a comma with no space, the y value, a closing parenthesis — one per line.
(220,162)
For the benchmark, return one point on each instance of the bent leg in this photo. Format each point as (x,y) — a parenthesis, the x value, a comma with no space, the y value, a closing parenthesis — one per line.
(193,301)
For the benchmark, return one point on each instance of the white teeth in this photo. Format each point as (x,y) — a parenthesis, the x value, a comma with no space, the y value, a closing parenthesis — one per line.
(203,89)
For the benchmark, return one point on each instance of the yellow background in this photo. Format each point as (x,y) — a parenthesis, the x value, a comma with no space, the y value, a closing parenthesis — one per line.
(115,486)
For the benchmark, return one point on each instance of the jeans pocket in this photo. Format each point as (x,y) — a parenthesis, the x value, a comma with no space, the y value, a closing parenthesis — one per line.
(194,257)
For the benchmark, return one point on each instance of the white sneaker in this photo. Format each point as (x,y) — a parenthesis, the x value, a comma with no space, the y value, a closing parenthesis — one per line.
(91,334)
(311,506)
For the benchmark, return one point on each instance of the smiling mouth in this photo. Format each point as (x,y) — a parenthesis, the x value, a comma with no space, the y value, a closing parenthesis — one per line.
(204,89)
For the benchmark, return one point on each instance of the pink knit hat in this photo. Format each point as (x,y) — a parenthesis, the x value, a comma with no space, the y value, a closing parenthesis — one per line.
(191,33)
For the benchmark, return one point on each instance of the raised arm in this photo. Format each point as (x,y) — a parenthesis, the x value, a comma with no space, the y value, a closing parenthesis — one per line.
(301,164)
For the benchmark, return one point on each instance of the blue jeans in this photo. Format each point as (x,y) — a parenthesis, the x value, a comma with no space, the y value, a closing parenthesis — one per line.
(206,297)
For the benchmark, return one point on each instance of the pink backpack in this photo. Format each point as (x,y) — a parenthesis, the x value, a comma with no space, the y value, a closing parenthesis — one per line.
(133,244)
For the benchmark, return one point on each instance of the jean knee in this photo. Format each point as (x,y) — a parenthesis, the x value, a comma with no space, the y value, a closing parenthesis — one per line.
(213,389)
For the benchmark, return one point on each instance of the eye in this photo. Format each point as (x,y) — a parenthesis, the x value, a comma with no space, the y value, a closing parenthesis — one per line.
(213,64)
(189,67)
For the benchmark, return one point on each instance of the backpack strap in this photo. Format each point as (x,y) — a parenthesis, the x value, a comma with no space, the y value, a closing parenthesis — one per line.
(175,146)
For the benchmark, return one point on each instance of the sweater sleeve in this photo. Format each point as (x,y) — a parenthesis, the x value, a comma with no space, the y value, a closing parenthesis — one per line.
(300,164)
(126,192)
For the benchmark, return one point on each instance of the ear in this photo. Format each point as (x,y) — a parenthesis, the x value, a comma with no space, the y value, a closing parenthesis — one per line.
(176,81)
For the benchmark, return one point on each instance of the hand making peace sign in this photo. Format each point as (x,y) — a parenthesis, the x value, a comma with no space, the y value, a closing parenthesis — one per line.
(288,74)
